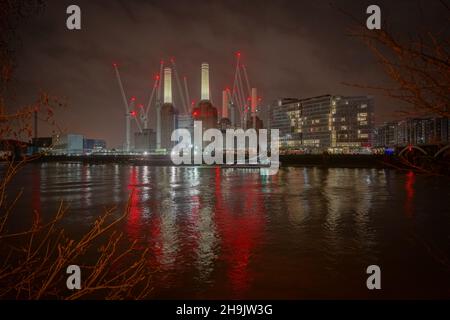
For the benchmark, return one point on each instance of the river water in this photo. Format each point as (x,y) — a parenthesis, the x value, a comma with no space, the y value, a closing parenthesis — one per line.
(233,233)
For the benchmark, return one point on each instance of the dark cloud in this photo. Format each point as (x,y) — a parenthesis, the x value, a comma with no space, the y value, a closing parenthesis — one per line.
(291,48)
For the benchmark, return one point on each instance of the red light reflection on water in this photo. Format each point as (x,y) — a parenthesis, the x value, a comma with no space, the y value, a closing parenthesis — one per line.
(237,215)
(240,228)
(134,216)
(409,187)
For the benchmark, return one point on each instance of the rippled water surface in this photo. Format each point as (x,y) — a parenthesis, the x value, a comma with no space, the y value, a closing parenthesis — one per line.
(232,233)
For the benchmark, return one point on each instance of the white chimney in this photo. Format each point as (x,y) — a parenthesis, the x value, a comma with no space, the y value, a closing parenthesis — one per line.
(224,104)
(167,85)
(205,82)
(254,101)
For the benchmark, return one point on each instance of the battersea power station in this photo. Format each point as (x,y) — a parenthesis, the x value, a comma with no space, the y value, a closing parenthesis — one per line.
(238,110)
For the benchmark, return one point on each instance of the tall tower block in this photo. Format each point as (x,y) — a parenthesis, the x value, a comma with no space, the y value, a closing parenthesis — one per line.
(204,94)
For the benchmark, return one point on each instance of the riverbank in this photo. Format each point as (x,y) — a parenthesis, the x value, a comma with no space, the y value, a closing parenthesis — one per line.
(320,160)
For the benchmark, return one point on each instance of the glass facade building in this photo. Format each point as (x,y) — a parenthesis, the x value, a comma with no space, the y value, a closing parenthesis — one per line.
(324,123)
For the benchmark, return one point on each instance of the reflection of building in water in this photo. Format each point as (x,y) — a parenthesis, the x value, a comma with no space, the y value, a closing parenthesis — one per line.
(207,239)
(409,187)
(349,197)
(296,202)
(240,221)
(160,216)
(168,234)
(134,222)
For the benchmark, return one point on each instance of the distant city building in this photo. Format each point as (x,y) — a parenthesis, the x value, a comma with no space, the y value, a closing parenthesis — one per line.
(41,144)
(352,122)
(68,143)
(314,123)
(145,141)
(284,116)
(333,123)
(92,145)
(386,135)
(413,131)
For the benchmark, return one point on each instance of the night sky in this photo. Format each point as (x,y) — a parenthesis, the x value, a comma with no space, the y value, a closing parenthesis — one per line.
(290,48)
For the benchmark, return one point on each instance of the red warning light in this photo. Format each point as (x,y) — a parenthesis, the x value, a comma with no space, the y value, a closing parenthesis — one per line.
(238,53)
(114,64)
(133,113)
(133,98)
(196,113)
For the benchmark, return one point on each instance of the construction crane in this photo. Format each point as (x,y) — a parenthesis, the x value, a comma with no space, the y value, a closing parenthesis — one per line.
(127,110)
(186,91)
(133,113)
(243,97)
(144,112)
(181,91)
